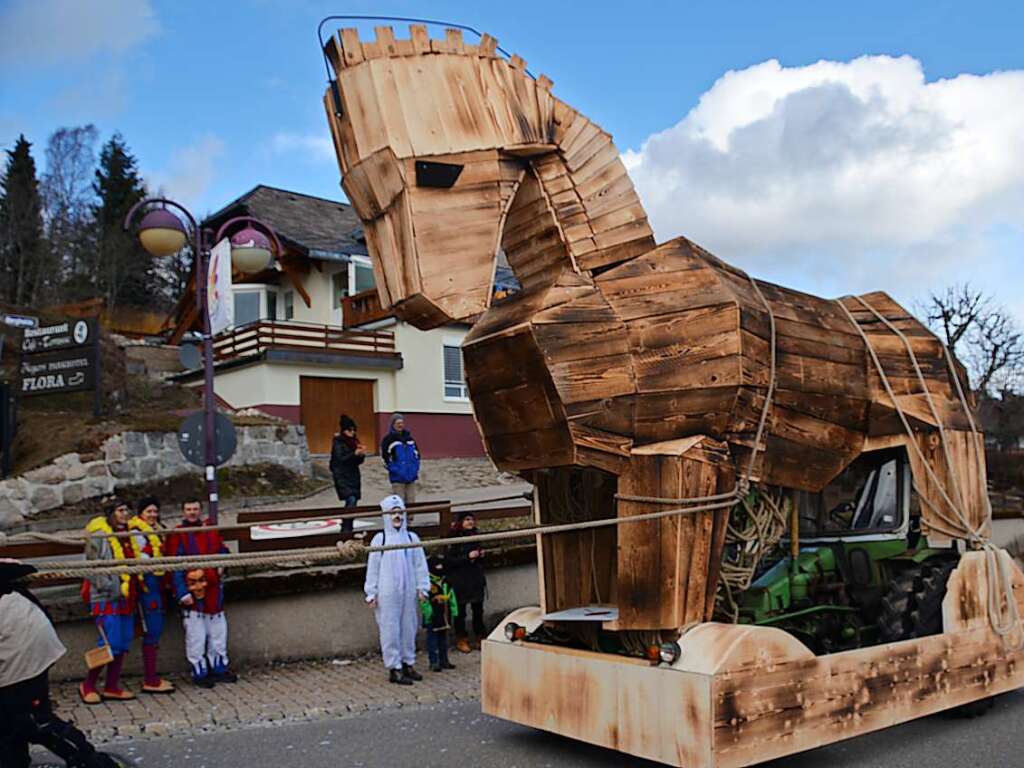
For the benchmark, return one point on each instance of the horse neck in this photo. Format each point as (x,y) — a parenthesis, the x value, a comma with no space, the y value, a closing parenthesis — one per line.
(575,207)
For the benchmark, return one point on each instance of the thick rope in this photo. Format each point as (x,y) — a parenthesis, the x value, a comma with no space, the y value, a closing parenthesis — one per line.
(74,539)
(1000,580)
(770,394)
(64,569)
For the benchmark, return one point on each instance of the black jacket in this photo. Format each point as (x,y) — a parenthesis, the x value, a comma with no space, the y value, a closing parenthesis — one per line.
(465,576)
(345,469)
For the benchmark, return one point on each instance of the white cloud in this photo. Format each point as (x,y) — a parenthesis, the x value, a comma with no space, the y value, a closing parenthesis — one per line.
(316,146)
(854,175)
(189,172)
(50,32)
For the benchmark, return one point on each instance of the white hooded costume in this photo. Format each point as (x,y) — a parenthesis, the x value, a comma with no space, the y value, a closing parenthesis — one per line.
(394,579)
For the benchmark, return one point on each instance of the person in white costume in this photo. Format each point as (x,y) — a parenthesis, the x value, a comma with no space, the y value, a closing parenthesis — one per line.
(395,583)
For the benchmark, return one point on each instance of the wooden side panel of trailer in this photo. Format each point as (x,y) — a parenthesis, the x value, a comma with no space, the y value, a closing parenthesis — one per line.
(740,695)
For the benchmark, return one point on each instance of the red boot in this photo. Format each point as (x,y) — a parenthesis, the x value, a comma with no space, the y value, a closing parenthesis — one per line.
(151,681)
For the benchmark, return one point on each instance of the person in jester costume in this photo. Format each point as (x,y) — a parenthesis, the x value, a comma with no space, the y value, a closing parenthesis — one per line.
(200,595)
(148,543)
(112,600)
(438,609)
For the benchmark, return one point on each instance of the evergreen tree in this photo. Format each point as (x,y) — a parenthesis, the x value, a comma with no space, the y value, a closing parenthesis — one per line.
(125,273)
(22,250)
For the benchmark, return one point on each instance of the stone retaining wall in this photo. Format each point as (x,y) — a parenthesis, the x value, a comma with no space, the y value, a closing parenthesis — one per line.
(138,457)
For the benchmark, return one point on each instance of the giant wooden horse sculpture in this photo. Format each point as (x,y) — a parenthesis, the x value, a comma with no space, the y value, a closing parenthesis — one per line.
(626,369)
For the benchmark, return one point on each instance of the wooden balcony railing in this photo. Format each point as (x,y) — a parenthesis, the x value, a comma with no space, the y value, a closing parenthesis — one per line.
(290,335)
(361,308)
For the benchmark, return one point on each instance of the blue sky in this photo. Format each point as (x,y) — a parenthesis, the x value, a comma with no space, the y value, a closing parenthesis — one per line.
(216,97)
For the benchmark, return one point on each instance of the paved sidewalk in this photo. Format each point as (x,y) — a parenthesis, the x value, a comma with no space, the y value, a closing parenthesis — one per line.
(282,693)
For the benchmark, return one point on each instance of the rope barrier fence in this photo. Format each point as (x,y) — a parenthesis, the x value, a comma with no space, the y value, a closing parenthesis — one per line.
(348,550)
(73,539)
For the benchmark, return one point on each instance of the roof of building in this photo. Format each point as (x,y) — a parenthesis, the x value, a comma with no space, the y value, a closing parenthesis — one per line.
(320,228)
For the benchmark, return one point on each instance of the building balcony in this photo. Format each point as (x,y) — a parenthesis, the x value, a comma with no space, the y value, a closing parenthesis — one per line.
(298,342)
(361,308)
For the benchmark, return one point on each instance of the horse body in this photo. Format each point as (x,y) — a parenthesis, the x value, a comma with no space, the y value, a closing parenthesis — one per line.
(617,348)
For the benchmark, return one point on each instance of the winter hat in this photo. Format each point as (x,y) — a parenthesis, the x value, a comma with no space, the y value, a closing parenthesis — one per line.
(346,422)
(11,571)
(391,503)
(436,563)
(396,417)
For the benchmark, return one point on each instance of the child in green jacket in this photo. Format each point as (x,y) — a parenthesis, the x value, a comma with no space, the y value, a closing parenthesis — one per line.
(438,610)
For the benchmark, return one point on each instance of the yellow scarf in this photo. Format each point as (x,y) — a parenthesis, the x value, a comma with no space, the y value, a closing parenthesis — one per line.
(138,524)
(100,525)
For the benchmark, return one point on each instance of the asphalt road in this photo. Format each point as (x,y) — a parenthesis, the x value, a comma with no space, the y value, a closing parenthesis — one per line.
(459,736)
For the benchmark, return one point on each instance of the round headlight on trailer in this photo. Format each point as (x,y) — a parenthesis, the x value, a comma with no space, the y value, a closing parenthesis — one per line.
(514,632)
(670,652)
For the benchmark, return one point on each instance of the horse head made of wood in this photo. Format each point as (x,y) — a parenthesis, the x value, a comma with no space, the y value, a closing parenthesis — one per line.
(436,139)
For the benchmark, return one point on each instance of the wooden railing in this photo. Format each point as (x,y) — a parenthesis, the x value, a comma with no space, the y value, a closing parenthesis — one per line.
(260,336)
(363,307)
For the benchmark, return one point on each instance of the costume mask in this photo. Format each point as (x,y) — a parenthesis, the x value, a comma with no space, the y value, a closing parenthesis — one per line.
(195,582)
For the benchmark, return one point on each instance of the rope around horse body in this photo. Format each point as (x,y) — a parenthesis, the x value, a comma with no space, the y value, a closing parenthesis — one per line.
(1000,580)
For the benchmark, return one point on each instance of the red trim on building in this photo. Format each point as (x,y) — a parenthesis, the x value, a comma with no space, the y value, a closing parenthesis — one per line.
(286,412)
(439,435)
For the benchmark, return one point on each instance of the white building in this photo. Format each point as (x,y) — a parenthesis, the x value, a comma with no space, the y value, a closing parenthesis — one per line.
(310,340)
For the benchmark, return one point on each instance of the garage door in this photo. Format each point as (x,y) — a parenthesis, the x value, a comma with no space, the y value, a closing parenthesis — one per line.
(322,401)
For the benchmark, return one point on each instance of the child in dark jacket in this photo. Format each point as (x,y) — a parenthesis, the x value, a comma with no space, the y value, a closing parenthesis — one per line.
(438,610)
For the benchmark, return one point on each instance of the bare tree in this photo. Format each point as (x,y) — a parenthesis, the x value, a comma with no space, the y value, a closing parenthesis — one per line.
(979,332)
(68,196)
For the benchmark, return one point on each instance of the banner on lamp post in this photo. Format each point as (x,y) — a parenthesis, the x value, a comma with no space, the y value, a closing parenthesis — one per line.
(219,296)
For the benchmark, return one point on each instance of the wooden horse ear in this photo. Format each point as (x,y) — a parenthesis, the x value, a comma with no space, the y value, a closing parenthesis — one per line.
(528,150)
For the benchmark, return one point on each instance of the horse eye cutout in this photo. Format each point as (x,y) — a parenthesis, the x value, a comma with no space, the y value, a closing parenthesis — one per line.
(438,175)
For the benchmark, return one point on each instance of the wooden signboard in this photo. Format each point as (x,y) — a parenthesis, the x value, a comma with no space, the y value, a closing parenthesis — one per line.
(61,358)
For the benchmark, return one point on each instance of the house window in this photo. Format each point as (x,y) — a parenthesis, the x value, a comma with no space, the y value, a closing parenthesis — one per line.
(363,276)
(454,380)
(247,307)
(271,304)
(289,305)
(339,286)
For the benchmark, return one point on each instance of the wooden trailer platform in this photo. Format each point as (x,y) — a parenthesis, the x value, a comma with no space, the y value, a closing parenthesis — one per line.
(740,695)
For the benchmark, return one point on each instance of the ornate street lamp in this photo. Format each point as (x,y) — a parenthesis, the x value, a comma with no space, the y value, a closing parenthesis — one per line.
(253,248)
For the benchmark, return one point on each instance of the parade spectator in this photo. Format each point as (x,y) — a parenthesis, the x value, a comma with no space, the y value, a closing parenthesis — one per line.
(466,576)
(148,543)
(200,594)
(438,609)
(396,581)
(347,453)
(402,458)
(29,646)
(112,599)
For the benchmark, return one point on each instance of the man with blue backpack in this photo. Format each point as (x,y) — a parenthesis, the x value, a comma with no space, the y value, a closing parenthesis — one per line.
(402,459)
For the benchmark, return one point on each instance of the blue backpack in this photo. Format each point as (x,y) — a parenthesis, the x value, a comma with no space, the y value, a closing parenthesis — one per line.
(403,462)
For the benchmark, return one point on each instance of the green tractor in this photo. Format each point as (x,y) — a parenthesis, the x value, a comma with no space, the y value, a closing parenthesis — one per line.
(859,572)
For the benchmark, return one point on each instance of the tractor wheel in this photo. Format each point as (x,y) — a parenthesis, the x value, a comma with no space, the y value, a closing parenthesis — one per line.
(912,604)
(912,607)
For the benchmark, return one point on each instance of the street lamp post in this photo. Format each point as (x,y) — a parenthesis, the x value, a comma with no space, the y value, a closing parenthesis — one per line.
(253,248)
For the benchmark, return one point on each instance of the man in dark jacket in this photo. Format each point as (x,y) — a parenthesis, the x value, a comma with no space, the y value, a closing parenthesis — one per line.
(402,458)
(28,648)
(466,577)
(347,453)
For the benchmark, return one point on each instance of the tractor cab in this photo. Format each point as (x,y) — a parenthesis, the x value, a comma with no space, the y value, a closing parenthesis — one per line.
(869,500)
(855,538)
